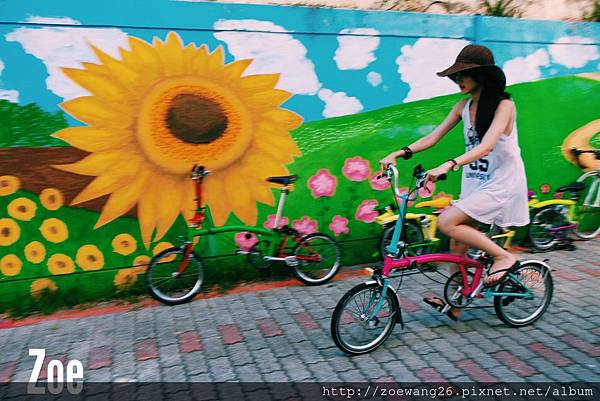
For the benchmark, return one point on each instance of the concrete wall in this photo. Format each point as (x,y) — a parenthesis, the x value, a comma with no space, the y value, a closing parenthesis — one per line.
(107,107)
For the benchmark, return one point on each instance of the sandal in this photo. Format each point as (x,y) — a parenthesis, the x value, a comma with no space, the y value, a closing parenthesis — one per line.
(503,274)
(439,306)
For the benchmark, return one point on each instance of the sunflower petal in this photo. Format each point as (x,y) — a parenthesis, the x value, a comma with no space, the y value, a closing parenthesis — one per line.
(268,99)
(100,186)
(216,59)
(238,195)
(98,84)
(216,199)
(146,217)
(118,69)
(168,202)
(142,58)
(188,204)
(233,71)
(93,164)
(94,111)
(263,193)
(285,117)
(171,55)
(92,139)
(253,83)
(106,162)
(122,200)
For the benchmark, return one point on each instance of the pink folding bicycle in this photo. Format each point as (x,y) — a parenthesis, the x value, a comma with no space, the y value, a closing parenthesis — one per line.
(366,315)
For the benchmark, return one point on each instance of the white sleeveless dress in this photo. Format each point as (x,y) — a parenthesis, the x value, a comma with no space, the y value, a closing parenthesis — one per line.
(494,188)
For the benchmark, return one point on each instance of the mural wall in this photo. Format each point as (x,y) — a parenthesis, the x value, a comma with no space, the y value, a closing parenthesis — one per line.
(103,112)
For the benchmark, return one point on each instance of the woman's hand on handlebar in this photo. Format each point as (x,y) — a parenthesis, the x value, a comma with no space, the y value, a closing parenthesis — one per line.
(391,158)
(439,173)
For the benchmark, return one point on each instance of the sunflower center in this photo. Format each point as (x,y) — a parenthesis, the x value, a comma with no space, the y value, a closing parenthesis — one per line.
(52,199)
(4,183)
(53,230)
(124,244)
(61,264)
(91,258)
(22,209)
(195,119)
(5,232)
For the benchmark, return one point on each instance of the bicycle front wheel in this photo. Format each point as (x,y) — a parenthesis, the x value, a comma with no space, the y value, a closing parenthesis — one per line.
(588,207)
(318,259)
(167,284)
(353,329)
(518,311)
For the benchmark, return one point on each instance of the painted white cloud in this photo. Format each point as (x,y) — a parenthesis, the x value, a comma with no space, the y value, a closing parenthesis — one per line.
(417,65)
(374,78)
(338,103)
(356,48)
(272,53)
(571,52)
(10,95)
(523,69)
(53,20)
(60,47)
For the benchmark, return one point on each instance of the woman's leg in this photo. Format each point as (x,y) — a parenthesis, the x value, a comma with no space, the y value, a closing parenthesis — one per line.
(456,224)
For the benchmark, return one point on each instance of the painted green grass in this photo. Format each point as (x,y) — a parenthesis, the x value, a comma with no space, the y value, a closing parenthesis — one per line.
(29,125)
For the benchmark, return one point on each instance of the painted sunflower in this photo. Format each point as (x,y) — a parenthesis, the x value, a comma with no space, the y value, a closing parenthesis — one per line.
(39,286)
(164,107)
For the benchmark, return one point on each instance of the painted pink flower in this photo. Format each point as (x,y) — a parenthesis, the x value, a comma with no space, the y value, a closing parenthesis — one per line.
(365,211)
(379,182)
(427,190)
(356,169)
(305,225)
(545,188)
(270,223)
(339,225)
(530,194)
(558,195)
(402,191)
(322,184)
(245,240)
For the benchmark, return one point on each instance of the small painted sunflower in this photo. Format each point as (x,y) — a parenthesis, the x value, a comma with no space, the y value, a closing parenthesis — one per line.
(51,198)
(89,257)
(124,244)
(35,252)
(39,286)
(10,265)
(54,230)
(140,263)
(161,246)
(9,184)
(125,278)
(22,209)
(60,264)
(161,109)
(9,232)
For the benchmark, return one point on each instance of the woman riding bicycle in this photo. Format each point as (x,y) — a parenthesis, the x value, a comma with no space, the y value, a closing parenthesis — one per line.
(494,186)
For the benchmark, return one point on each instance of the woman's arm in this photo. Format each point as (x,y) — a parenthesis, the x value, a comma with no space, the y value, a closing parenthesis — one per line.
(431,139)
(502,117)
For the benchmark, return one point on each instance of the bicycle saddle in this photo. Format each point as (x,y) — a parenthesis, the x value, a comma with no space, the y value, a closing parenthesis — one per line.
(438,203)
(284,180)
(572,187)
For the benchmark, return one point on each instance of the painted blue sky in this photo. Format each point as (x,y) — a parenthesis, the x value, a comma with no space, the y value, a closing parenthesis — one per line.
(336,62)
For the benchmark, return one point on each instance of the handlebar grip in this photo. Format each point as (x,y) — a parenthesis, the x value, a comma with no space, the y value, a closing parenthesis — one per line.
(442,177)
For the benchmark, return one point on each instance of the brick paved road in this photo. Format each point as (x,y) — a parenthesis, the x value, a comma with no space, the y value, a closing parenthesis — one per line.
(283,335)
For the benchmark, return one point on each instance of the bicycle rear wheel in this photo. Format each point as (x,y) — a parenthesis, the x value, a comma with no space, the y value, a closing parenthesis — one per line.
(351,330)
(518,311)
(167,284)
(588,207)
(318,259)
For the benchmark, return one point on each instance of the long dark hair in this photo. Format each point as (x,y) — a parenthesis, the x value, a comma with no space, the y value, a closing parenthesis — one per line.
(492,93)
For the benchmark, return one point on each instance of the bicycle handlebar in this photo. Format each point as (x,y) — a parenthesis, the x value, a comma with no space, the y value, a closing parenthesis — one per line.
(419,174)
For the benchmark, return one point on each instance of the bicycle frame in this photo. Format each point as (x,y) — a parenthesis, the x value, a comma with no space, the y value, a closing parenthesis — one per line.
(276,240)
